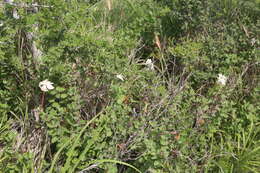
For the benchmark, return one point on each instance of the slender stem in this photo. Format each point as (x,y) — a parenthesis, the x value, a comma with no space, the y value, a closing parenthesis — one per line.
(42,100)
(21,5)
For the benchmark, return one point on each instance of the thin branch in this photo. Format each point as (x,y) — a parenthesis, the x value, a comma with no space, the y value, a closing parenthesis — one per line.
(89,168)
(23,5)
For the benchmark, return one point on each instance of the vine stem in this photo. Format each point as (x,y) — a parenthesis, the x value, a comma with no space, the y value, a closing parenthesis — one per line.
(42,101)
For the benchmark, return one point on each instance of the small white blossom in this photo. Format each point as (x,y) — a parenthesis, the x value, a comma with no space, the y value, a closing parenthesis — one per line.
(46,85)
(121,77)
(253,41)
(15,14)
(222,79)
(149,64)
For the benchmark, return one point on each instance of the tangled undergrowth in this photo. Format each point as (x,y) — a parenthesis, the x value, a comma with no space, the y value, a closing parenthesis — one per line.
(129,86)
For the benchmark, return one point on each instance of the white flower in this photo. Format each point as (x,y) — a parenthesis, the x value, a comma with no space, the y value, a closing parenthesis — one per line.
(15,14)
(149,64)
(222,79)
(121,77)
(46,85)
(253,41)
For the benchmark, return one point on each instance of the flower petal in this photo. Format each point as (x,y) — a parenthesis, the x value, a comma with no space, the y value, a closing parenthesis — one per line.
(46,85)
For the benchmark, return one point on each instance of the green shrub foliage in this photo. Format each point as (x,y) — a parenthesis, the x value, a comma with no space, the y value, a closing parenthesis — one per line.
(139,86)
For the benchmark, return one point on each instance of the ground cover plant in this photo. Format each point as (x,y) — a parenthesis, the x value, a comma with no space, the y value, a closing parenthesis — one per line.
(148,86)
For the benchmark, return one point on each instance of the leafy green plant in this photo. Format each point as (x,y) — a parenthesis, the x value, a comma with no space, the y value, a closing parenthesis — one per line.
(141,85)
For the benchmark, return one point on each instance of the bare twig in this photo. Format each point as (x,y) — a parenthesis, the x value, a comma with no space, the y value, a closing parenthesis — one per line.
(89,168)
(23,5)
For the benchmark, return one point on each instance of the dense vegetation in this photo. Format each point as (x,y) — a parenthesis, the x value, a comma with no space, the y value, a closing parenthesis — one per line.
(139,86)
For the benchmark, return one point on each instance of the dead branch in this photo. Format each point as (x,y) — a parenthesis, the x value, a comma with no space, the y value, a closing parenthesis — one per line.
(23,5)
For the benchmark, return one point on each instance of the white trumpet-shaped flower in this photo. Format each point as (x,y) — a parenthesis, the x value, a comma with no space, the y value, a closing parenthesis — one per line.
(222,79)
(121,77)
(46,85)
(149,64)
